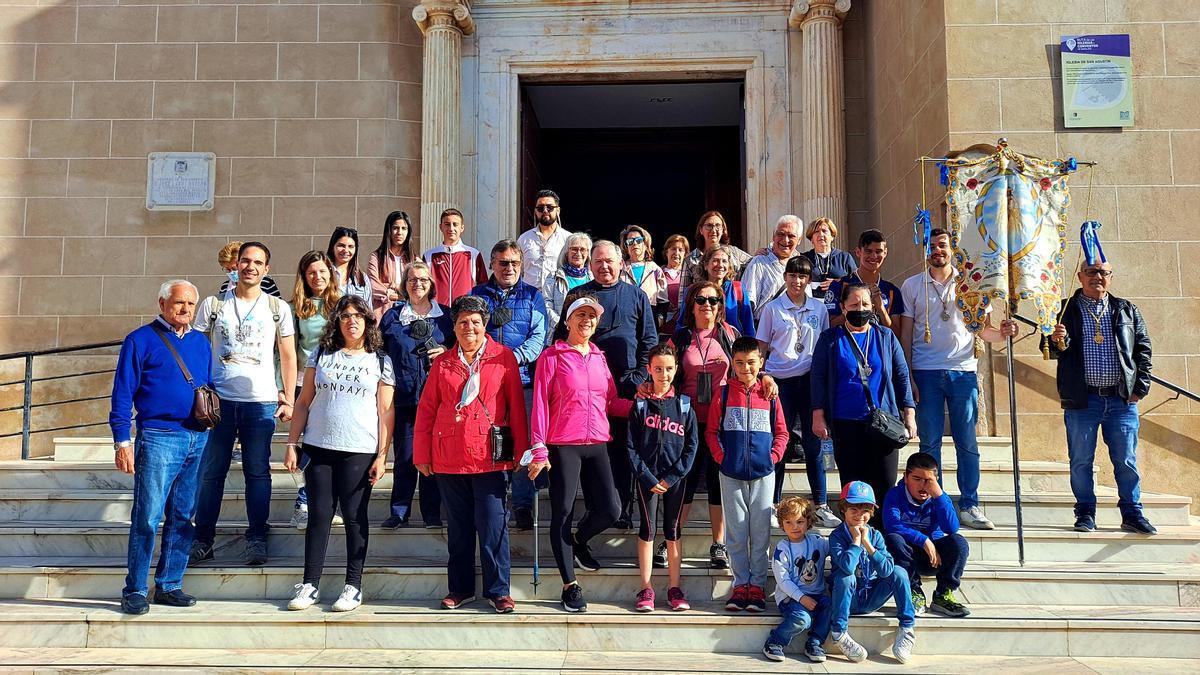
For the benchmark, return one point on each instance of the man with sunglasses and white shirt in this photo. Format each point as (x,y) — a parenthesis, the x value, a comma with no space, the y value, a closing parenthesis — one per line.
(541,247)
(518,321)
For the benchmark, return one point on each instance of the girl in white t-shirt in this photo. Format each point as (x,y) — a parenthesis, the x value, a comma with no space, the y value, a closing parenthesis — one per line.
(345,413)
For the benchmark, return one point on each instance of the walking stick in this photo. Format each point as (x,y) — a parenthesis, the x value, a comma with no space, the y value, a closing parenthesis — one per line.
(525,460)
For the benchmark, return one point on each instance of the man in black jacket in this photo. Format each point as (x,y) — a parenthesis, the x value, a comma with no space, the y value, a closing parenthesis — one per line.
(1103,355)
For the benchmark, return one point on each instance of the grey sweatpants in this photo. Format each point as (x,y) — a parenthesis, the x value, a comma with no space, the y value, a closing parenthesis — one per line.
(748,507)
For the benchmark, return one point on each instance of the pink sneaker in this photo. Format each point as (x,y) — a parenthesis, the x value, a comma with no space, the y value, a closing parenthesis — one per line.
(645,600)
(678,602)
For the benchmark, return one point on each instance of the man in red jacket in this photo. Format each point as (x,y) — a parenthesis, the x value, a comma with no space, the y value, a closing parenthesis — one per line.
(456,267)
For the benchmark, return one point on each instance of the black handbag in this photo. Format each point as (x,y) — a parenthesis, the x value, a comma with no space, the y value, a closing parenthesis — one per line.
(883,428)
(206,406)
(500,439)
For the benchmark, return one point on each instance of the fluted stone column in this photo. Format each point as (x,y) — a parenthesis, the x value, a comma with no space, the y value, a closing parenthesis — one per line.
(823,143)
(443,23)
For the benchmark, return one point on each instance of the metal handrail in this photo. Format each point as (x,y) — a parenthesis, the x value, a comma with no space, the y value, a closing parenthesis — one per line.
(1179,391)
(27,404)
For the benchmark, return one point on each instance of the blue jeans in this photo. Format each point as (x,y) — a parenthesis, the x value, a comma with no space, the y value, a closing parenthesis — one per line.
(1119,423)
(405,476)
(252,423)
(797,619)
(166,464)
(957,390)
(795,396)
(476,515)
(952,549)
(847,600)
(522,487)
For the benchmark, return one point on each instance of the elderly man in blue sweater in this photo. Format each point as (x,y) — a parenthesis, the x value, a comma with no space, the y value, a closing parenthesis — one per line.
(922,534)
(165,458)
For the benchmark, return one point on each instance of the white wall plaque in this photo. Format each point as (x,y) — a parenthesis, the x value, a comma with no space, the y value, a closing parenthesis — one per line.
(180,181)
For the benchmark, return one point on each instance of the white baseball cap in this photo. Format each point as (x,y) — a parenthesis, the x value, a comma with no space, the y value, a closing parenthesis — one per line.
(586,301)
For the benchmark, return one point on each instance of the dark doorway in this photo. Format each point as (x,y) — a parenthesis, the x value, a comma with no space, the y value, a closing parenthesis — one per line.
(656,155)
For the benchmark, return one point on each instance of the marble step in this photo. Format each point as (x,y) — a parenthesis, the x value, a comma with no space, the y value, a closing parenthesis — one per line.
(536,662)
(1019,630)
(1038,508)
(99,448)
(409,578)
(994,476)
(1047,544)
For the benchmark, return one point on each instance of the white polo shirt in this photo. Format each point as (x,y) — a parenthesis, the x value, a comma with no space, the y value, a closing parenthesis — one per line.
(792,331)
(951,346)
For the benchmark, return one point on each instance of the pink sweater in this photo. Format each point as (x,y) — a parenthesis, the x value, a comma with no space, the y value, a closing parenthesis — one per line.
(573,397)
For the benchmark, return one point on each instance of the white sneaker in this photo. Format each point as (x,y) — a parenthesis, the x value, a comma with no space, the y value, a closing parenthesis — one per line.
(850,649)
(902,648)
(974,519)
(350,599)
(826,517)
(306,596)
(300,517)
(337,520)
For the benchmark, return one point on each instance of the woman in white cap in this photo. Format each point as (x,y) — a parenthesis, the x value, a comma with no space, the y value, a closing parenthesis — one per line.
(573,396)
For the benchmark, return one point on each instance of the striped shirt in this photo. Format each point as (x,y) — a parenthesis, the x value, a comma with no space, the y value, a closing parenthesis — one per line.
(1100,365)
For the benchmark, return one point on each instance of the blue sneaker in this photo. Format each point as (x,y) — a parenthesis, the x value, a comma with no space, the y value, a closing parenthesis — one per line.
(814,652)
(1085,524)
(773,651)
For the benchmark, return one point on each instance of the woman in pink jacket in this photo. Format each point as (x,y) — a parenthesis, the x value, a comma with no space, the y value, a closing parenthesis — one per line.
(470,390)
(573,396)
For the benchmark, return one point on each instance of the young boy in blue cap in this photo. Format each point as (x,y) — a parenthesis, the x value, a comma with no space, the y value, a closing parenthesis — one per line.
(864,575)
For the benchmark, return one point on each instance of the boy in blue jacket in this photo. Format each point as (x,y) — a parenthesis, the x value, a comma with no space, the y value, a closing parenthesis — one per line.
(922,534)
(662,443)
(747,436)
(800,589)
(864,575)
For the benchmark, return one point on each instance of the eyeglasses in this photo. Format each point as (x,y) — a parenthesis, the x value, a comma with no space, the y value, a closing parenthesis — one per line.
(708,300)
(413,281)
(634,240)
(544,208)
(509,263)
(1104,274)
(351,315)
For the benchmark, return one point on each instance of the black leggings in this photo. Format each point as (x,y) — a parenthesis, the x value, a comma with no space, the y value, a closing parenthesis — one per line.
(704,467)
(672,503)
(573,467)
(334,477)
(860,458)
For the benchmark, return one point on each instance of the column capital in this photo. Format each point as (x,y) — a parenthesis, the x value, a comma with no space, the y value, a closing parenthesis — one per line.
(804,11)
(453,13)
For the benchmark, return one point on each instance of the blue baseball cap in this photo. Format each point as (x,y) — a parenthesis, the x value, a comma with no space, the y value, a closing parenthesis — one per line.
(858,492)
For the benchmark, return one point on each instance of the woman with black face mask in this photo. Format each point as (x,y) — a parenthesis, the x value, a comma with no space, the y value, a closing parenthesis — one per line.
(844,357)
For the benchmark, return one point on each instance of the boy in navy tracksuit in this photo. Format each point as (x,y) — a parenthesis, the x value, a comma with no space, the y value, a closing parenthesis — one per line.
(747,435)
(662,441)
(865,576)
(922,534)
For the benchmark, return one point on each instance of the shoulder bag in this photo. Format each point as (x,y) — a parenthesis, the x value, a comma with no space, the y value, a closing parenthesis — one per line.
(206,405)
(882,427)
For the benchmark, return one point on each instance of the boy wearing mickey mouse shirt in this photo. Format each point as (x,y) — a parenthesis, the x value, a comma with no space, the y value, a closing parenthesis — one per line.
(799,567)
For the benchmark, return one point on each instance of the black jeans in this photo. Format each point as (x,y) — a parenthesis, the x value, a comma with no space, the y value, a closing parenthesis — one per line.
(952,549)
(573,467)
(703,468)
(332,478)
(859,457)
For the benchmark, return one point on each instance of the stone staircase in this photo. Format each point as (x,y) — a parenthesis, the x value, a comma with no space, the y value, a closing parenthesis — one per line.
(63,527)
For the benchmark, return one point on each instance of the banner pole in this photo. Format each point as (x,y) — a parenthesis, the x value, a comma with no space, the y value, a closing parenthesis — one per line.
(1016,452)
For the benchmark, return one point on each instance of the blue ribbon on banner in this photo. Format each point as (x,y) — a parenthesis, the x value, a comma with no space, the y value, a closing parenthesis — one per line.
(922,225)
(943,173)
(1093,252)
(1072,165)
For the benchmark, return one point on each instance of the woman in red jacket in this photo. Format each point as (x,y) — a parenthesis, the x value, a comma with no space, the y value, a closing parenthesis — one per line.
(470,425)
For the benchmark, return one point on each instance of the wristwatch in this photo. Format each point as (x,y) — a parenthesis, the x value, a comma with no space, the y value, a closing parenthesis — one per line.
(123,444)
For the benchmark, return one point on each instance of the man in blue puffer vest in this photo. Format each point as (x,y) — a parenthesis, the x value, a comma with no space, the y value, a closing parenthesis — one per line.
(518,321)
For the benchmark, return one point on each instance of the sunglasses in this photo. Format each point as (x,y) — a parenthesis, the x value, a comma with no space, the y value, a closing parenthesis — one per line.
(634,240)
(708,300)
(544,208)
(509,263)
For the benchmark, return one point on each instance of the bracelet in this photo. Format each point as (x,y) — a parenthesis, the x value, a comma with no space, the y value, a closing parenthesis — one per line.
(292,445)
